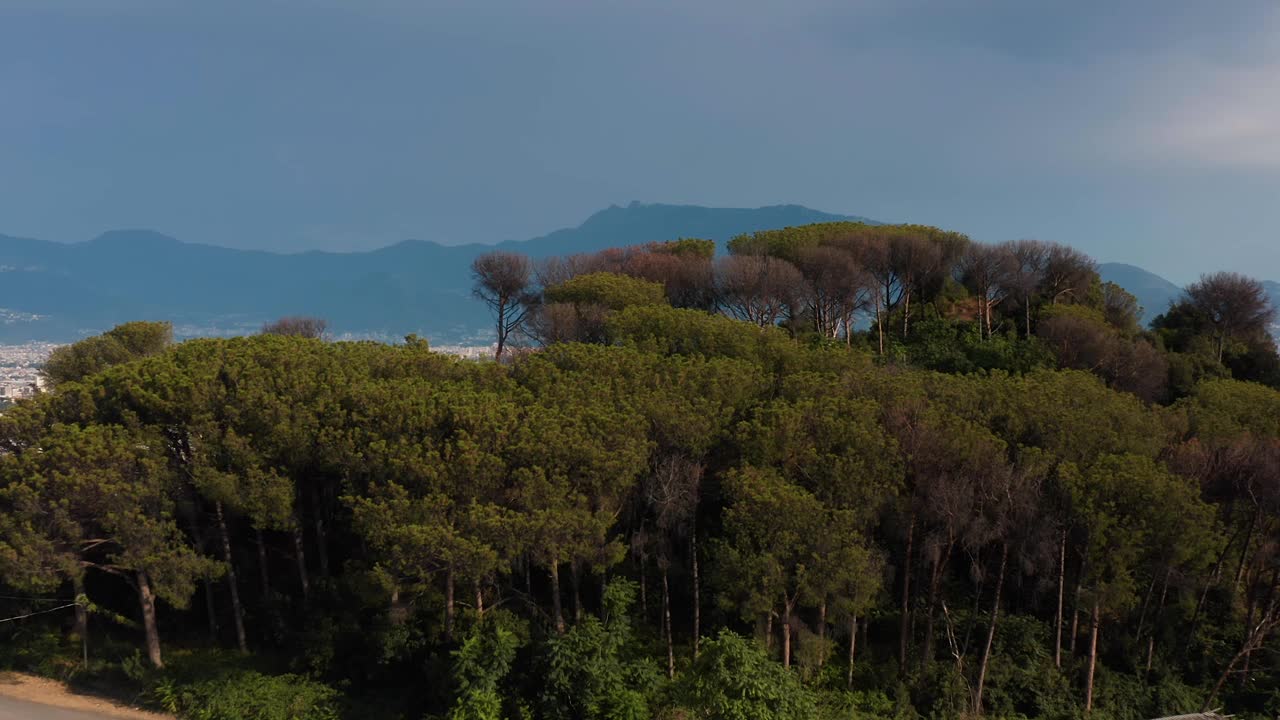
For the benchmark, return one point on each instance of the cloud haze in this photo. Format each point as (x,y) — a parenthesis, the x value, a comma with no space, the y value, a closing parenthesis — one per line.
(1146,133)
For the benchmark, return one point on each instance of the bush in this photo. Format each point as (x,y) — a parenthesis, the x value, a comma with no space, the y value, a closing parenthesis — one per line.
(213,686)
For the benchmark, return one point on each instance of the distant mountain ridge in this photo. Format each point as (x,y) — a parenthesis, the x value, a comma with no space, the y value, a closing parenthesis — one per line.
(1154,293)
(413,286)
(60,292)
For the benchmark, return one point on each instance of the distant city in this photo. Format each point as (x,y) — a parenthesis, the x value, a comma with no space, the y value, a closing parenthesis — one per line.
(20,369)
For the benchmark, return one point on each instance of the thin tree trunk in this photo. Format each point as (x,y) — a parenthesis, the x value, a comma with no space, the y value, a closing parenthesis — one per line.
(237,610)
(449,606)
(1146,605)
(786,634)
(264,572)
(502,329)
(300,554)
(147,601)
(904,629)
(644,591)
(557,610)
(768,632)
(1075,615)
(1093,659)
(991,629)
(935,582)
(853,646)
(575,579)
(82,617)
(1244,549)
(322,537)
(528,575)
(1062,578)
(697,596)
(479,600)
(1155,622)
(211,610)
(822,633)
(666,625)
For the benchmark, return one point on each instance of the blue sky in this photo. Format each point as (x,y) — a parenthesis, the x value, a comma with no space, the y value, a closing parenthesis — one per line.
(1143,131)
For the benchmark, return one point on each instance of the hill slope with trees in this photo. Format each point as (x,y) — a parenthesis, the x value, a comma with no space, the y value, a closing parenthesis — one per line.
(694,485)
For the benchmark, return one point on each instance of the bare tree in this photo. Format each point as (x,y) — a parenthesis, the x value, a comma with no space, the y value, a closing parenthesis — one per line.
(835,288)
(1067,274)
(757,288)
(502,281)
(1027,271)
(915,260)
(297,326)
(1235,306)
(987,271)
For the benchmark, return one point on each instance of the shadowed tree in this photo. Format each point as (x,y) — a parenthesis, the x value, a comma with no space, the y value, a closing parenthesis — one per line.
(121,344)
(1234,306)
(502,281)
(297,326)
(757,288)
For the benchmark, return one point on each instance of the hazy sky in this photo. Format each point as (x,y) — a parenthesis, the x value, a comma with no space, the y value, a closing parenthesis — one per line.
(1148,133)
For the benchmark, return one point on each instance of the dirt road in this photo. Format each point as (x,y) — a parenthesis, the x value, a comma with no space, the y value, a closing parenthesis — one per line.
(25,697)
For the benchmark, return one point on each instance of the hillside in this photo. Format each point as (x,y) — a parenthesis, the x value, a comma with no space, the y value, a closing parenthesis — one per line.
(1154,293)
(55,291)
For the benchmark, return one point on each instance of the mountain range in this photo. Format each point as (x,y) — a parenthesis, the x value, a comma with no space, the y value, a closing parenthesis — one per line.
(62,291)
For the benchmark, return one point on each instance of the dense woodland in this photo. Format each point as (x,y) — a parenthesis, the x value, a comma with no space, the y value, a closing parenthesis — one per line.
(843,471)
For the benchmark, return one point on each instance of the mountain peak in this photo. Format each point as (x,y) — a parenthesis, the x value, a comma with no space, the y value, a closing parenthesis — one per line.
(134,238)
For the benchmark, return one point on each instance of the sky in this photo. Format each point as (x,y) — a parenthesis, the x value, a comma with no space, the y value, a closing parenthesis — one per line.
(1145,132)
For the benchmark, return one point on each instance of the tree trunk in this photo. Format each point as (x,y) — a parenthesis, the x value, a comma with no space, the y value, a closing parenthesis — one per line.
(449,607)
(768,632)
(644,591)
(1155,622)
(1062,578)
(935,578)
(1093,659)
(147,601)
(211,610)
(879,326)
(502,329)
(822,633)
(1075,615)
(666,625)
(237,610)
(991,630)
(575,579)
(1244,549)
(697,596)
(82,617)
(853,645)
(479,600)
(264,572)
(300,554)
(904,629)
(557,611)
(322,537)
(786,634)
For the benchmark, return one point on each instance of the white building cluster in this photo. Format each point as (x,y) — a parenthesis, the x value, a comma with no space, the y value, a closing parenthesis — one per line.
(20,369)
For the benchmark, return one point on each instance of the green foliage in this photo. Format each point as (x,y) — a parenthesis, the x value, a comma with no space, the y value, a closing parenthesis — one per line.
(595,671)
(225,693)
(733,679)
(951,347)
(121,344)
(481,665)
(609,290)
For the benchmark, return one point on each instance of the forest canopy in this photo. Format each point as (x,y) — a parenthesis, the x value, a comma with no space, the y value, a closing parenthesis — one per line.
(844,471)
